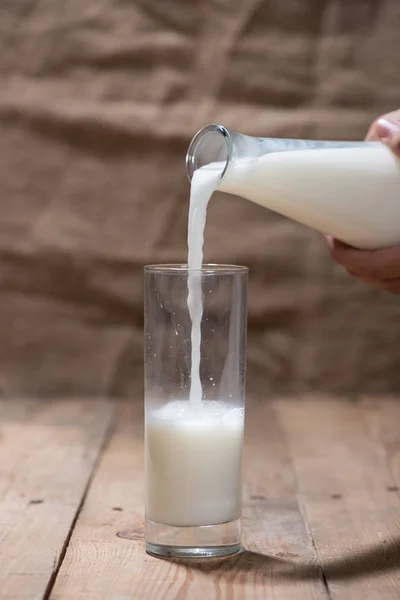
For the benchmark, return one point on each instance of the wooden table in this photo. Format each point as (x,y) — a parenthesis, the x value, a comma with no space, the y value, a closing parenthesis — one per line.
(321,505)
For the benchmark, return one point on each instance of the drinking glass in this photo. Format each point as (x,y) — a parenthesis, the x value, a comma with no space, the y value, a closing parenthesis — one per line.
(193,447)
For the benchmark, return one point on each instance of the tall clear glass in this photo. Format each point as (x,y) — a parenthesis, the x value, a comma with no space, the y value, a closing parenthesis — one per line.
(194,449)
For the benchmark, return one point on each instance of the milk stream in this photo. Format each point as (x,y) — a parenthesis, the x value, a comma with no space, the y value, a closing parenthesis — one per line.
(204,183)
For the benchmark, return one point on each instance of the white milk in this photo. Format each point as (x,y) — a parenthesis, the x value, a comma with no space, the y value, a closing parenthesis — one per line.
(350,193)
(193,459)
(204,183)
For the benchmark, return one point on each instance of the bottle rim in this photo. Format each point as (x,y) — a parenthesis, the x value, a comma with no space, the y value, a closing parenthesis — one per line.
(197,143)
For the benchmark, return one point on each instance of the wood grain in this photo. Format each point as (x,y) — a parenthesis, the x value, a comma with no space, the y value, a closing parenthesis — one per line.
(280,561)
(47,454)
(338,460)
(345,491)
(383,418)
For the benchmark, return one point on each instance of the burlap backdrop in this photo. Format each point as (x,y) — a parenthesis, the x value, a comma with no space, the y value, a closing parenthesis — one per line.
(98,101)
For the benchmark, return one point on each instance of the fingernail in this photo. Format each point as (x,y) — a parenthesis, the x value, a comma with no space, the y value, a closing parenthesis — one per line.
(386,129)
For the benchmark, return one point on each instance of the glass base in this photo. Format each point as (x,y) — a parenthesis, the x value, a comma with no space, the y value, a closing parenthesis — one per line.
(207,541)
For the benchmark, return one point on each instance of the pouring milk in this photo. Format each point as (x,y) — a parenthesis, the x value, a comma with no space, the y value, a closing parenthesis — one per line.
(195,446)
(349,190)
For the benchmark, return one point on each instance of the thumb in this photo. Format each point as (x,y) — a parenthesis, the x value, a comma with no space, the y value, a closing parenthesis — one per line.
(388,131)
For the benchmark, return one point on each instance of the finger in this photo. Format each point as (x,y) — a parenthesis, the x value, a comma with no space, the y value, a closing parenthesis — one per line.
(389,133)
(330,241)
(392,286)
(376,265)
(372,134)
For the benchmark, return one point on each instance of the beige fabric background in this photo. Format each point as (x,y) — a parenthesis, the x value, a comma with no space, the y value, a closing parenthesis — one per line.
(98,102)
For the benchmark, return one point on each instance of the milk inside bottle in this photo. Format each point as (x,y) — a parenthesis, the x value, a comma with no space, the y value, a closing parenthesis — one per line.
(350,190)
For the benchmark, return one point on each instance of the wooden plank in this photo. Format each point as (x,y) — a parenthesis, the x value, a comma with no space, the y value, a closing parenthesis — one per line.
(344,490)
(47,454)
(383,418)
(280,561)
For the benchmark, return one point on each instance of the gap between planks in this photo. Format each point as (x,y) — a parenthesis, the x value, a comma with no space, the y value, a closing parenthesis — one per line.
(341,451)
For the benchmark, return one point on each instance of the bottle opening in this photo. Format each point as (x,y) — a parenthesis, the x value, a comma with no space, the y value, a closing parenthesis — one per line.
(213,143)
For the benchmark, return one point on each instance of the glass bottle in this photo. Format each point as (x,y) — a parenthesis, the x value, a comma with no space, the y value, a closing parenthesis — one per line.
(348,189)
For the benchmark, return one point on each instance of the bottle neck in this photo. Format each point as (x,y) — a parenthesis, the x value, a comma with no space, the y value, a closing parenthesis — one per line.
(212,144)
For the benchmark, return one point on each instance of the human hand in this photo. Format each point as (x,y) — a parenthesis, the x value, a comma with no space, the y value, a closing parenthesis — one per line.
(379,268)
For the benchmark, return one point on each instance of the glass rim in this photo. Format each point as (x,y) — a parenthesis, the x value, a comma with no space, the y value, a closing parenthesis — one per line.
(207,269)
